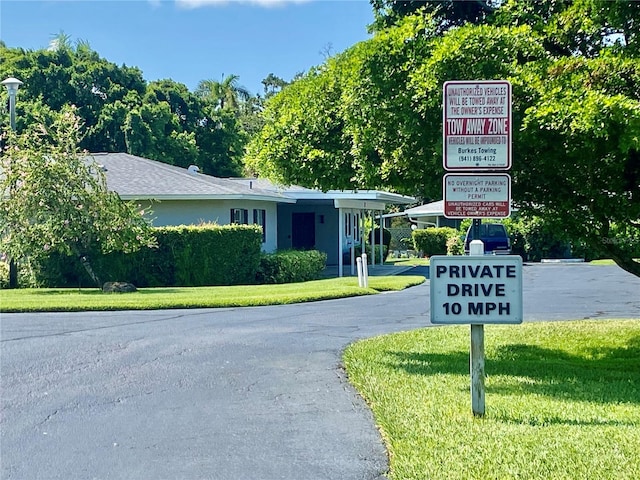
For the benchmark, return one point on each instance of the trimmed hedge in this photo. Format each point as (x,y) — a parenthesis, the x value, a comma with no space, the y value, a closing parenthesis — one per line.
(290,266)
(186,256)
(433,241)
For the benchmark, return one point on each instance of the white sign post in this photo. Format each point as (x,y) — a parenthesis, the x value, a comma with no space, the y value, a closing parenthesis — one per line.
(476,289)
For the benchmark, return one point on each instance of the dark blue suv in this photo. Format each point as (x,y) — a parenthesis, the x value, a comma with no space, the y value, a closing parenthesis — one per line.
(494,236)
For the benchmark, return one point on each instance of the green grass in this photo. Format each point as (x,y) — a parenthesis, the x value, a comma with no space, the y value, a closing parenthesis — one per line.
(52,300)
(407,262)
(562,401)
(604,261)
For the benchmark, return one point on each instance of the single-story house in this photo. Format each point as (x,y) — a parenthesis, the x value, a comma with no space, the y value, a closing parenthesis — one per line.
(291,217)
(430,215)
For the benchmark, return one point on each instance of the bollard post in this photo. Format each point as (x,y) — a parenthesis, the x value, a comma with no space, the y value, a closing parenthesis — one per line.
(359,265)
(365,271)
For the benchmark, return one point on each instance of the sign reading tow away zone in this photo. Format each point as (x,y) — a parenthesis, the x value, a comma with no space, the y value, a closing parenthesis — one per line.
(477,125)
(476,289)
(477,195)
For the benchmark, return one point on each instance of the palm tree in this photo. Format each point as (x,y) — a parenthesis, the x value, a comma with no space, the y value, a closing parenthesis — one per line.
(225,94)
(60,42)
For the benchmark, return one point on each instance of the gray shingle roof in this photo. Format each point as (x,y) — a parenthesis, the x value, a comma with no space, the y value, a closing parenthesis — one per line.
(138,178)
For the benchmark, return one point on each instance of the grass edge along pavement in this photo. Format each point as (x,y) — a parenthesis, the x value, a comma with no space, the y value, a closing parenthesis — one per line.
(70,300)
(563,400)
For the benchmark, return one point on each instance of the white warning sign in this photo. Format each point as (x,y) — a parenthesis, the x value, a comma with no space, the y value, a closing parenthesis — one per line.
(476,289)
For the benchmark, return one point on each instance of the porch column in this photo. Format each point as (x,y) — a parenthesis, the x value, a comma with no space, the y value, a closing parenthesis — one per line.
(373,236)
(340,240)
(352,223)
(381,238)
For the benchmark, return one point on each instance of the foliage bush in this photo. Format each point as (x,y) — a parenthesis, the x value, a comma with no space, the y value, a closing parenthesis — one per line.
(185,256)
(534,239)
(290,266)
(4,274)
(369,252)
(455,245)
(433,241)
(374,237)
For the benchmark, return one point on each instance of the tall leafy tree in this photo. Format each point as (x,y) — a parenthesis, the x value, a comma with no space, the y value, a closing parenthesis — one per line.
(57,199)
(161,120)
(574,70)
(228,93)
(273,84)
(448,13)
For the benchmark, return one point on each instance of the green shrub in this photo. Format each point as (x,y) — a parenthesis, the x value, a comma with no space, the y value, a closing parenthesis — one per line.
(534,239)
(290,266)
(433,241)
(455,245)
(374,237)
(185,256)
(4,274)
(369,252)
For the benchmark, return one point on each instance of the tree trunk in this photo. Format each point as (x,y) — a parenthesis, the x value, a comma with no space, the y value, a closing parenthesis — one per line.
(84,260)
(13,274)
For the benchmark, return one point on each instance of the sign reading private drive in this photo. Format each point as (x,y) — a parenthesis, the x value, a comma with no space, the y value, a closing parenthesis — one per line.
(476,289)
(477,125)
(477,195)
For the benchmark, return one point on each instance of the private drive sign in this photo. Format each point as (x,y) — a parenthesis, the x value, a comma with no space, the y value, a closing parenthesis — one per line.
(476,289)
(477,195)
(477,125)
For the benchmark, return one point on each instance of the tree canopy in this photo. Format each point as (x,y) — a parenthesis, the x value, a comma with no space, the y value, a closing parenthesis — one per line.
(121,112)
(55,198)
(372,116)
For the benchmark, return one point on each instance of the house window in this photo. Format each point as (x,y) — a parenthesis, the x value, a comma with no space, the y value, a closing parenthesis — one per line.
(240,215)
(260,218)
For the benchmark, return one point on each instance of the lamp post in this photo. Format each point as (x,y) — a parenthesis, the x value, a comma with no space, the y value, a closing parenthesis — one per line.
(12,85)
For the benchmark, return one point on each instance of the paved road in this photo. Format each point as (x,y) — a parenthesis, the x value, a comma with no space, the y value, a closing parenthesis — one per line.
(254,393)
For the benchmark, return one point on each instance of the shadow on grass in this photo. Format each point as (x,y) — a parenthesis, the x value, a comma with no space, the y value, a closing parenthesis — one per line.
(606,375)
(97,291)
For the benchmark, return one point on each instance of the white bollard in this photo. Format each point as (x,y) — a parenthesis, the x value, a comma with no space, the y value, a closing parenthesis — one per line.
(476,247)
(359,265)
(365,271)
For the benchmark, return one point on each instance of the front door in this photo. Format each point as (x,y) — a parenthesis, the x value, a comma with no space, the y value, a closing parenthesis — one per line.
(303,231)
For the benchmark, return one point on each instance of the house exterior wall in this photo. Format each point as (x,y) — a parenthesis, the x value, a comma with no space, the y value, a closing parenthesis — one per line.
(326,227)
(194,212)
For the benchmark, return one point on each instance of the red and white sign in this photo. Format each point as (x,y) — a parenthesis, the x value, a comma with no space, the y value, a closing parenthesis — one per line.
(477,195)
(477,125)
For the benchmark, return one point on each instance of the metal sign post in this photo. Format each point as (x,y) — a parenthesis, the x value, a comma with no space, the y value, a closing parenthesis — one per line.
(476,129)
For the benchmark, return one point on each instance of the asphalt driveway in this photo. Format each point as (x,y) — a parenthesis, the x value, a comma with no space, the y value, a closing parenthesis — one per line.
(252,393)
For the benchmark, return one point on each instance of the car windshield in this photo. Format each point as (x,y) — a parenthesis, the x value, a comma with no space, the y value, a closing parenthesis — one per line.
(492,230)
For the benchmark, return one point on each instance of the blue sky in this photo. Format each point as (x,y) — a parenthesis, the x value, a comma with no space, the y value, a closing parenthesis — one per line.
(193,40)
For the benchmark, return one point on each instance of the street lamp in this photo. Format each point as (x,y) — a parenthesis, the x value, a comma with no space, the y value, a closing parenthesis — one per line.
(12,85)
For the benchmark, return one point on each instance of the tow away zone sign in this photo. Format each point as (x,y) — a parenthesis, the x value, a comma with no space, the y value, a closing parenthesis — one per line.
(476,289)
(477,125)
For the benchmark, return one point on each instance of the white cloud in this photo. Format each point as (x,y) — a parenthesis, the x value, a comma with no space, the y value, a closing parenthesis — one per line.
(262,3)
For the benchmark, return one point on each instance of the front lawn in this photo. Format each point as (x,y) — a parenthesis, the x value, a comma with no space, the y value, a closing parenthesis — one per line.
(562,401)
(68,299)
